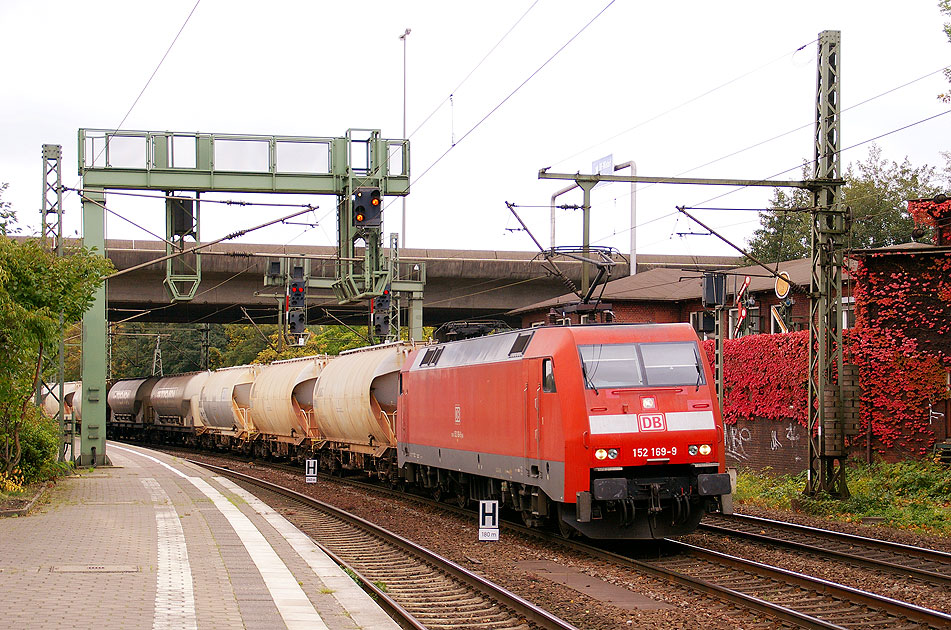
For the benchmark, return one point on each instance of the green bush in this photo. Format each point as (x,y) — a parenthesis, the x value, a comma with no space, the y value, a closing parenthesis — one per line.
(39,440)
(910,494)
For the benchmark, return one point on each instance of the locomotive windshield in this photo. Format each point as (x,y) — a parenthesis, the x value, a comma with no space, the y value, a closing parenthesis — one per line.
(641,364)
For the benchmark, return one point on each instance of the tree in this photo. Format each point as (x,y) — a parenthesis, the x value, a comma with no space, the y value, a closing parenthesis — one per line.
(36,286)
(330,340)
(875,190)
(784,232)
(7,216)
(245,343)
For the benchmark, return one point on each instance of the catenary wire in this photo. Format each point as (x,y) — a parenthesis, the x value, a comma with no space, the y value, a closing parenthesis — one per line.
(513,92)
(152,76)
(791,131)
(471,72)
(685,103)
(730,192)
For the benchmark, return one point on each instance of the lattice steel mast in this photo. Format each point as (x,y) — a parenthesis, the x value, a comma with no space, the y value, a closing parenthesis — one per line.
(829,231)
(51,238)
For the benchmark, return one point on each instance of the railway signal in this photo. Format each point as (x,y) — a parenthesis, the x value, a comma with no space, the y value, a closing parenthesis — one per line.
(296,294)
(381,324)
(367,207)
(296,321)
(381,314)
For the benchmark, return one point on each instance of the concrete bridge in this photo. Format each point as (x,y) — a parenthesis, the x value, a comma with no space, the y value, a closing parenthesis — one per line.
(459,284)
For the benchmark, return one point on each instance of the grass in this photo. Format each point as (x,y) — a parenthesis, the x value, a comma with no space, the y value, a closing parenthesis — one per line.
(908,495)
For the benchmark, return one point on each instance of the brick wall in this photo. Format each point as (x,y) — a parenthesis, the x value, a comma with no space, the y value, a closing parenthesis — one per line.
(758,444)
(783,445)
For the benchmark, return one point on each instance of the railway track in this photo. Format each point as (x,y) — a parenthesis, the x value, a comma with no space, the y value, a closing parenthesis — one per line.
(820,603)
(420,588)
(791,599)
(928,565)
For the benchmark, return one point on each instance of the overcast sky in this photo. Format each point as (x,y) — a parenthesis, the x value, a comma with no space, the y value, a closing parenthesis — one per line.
(678,87)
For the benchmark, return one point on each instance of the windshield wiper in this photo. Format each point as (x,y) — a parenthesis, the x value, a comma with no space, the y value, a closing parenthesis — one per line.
(587,379)
(699,377)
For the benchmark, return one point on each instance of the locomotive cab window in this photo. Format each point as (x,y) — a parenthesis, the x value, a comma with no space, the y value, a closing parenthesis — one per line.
(672,363)
(641,364)
(548,376)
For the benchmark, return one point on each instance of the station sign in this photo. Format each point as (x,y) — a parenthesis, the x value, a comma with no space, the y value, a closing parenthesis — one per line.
(603,166)
(310,471)
(488,520)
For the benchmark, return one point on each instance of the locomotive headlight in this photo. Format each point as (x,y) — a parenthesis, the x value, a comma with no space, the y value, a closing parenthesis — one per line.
(692,449)
(600,453)
(649,402)
(612,453)
(705,449)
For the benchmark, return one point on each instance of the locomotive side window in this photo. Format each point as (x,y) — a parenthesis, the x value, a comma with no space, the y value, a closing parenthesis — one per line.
(548,376)
(639,365)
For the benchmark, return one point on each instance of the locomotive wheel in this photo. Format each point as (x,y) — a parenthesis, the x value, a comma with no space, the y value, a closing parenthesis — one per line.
(437,493)
(565,530)
(531,520)
(460,497)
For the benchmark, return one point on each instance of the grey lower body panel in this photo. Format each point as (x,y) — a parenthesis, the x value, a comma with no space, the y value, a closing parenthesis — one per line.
(544,474)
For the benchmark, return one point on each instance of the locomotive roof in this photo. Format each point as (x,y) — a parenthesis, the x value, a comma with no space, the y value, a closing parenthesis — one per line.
(512,345)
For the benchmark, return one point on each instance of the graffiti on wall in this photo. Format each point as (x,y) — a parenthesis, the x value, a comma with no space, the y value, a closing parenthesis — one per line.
(747,442)
(737,438)
(792,436)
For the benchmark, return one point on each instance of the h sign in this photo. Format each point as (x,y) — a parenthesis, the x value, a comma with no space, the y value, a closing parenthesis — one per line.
(488,520)
(489,514)
(651,422)
(310,471)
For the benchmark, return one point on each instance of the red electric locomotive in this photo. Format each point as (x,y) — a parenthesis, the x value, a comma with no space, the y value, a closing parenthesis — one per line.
(608,430)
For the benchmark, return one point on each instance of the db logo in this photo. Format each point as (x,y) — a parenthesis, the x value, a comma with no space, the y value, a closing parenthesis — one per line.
(652,422)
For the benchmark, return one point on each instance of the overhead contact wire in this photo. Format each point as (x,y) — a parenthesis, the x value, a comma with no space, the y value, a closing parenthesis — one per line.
(515,91)
(471,72)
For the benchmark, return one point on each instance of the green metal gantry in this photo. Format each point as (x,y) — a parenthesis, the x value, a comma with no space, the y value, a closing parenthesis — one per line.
(186,162)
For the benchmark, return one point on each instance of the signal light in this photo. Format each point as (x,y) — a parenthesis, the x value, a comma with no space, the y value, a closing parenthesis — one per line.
(367,207)
(296,321)
(296,294)
(382,303)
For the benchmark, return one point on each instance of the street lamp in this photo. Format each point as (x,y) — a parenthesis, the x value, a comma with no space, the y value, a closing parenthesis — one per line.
(404,37)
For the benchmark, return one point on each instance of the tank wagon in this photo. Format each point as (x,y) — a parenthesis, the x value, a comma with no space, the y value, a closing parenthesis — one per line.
(612,431)
(72,404)
(282,406)
(130,407)
(174,401)
(356,404)
(224,407)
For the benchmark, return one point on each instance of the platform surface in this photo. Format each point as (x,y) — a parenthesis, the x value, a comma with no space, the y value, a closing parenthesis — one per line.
(155,542)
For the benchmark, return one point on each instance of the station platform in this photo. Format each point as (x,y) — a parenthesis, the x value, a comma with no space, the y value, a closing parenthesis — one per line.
(155,542)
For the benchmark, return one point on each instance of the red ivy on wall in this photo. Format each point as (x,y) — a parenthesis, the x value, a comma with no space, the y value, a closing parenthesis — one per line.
(765,376)
(937,215)
(901,344)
